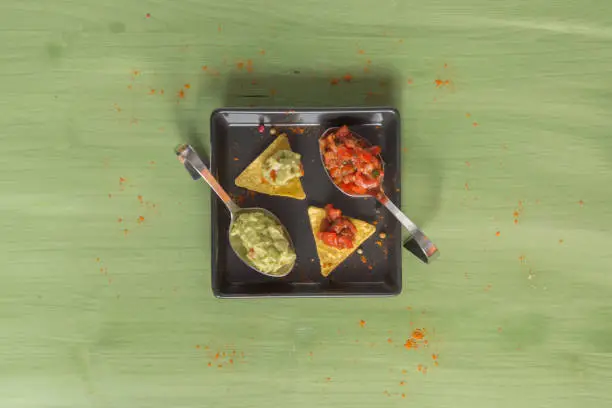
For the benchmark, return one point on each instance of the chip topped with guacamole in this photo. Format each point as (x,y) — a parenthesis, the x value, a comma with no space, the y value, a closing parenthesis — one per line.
(276,171)
(260,240)
(282,167)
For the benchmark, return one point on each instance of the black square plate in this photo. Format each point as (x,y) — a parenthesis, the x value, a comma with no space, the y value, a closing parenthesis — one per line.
(236,141)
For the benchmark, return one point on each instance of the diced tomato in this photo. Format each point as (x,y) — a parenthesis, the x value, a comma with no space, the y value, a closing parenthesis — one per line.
(375,150)
(345,242)
(329,238)
(273,175)
(343,131)
(332,213)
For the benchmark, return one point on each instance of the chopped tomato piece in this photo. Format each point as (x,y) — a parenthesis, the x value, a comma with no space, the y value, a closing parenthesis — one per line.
(273,175)
(336,230)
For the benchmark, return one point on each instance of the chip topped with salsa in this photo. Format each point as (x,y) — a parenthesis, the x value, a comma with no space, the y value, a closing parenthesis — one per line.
(352,163)
(336,236)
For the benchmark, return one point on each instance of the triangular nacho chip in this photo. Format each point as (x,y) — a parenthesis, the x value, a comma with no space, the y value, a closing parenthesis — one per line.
(331,257)
(251,178)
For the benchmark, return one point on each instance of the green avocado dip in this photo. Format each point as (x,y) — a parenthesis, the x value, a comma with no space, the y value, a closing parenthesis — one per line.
(282,167)
(261,241)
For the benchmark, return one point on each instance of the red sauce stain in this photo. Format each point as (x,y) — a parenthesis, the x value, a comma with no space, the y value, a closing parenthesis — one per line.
(334,81)
(347,78)
(240,65)
(410,344)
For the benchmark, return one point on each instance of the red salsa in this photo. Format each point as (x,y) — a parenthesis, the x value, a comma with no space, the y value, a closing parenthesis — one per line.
(352,163)
(336,230)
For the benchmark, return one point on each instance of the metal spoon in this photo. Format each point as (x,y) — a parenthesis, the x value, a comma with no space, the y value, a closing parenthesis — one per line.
(196,167)
(418,243)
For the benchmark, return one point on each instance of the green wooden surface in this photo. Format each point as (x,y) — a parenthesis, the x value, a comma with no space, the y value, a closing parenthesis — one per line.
(519,319)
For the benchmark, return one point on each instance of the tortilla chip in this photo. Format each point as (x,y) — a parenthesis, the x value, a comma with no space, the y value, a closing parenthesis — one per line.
(251,178)
(330,257)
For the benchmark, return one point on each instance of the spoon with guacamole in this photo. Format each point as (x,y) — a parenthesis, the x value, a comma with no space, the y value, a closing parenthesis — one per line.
(256,235)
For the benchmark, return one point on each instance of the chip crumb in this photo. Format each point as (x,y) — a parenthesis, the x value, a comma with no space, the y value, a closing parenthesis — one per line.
(382,235)
(360,251)
(273,131)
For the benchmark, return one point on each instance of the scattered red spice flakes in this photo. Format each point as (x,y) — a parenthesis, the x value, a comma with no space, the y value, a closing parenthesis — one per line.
(119,219)
(328,379)
(334,81)
(122,180)
(204,67)
(410,344)
(240,65)
(117,108)
(140,199)
(438,83)
(389,340)
(217,356)
(261,128)
(404,371)
(475,124)
(198,346)
(129,87)
(361,52)
(262,52)
(379,243)
(181,93)
(236,159)
(402,383)
(209,364)
(186,86)
(467,187)
(403,395)
(136,72)
(362,323)
(560,241)
(363,259)
(141,219)
(418,334)
(249,65)
(219,27)
(581,203)
(434,356)
(347,77)
(148,15)
(498,233)
(409,81)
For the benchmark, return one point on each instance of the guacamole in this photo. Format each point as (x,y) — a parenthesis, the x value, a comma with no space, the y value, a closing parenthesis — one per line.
(261,241)
(282,167)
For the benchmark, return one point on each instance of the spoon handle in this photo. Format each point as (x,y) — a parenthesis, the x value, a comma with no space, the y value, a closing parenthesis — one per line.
(186,153)
(418,243)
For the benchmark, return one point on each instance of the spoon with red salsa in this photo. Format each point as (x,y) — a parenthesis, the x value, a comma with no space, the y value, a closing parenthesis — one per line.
(355,166)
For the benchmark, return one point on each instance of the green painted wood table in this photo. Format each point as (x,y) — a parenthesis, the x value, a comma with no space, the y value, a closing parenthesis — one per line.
(105,294)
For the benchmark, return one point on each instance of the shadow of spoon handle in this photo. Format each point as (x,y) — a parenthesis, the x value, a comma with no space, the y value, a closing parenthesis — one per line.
(418,243)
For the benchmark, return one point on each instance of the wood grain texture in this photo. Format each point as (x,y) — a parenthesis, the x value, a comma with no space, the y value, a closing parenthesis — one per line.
(519,319)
